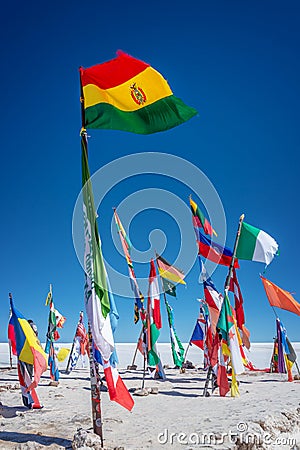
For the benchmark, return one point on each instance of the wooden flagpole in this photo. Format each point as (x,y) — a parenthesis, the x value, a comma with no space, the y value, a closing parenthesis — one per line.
(94,377)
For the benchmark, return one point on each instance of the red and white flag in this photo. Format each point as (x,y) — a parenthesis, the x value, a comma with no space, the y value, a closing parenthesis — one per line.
(116,387)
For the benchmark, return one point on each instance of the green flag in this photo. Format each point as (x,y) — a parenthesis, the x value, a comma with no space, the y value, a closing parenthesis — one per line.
(169,287)
(177,347)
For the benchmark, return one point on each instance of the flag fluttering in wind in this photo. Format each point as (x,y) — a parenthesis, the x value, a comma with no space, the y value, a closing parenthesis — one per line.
(166,270)
(97,300)
(280,298)
(284,355)
(169,287)
(239,309)
(214,301)
(177,347)
(129,95)
(228,328)
(56,320)
(213,251)
(80,345)
(126,245)
(153,316)
(256,245)
(199,220)
(28,347)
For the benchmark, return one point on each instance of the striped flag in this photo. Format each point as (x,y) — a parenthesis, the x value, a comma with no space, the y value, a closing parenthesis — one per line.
(127,94)
(214,300)
(28,347)
(153,316)
(97,300)
(199,220)
(166,270)
(126,245)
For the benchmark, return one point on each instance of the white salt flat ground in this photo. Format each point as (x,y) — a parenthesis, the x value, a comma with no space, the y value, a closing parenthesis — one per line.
(260,354)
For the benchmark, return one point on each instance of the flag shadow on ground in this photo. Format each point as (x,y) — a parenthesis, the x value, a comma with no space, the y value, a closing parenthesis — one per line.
(179,394)
(11,411)
(9,436)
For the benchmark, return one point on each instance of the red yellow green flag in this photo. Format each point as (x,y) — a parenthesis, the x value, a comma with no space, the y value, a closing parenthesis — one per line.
(129,95)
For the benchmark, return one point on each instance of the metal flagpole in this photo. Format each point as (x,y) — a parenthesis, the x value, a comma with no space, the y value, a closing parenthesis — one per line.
(95,387)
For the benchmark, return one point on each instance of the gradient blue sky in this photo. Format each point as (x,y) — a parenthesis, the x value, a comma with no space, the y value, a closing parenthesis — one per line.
(237,63)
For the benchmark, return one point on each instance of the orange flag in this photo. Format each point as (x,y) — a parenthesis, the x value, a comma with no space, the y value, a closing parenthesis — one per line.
(280,298)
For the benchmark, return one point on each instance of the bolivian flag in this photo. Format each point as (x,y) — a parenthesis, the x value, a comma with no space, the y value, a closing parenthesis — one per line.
(127,94)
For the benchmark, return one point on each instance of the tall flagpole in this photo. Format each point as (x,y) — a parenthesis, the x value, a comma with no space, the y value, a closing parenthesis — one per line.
(227,282)
(94,376)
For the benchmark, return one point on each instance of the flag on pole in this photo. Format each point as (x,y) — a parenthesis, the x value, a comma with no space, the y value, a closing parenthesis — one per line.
(214,252)
(169,287)
(126,245)
(28,347)
(214,300)
(153,316)
(227,325)
(280,298)
(97,300)
(199,220)
(177,347)
(127,94)
(239,309)
(56,320)
(256,245)
(222,378)
(166,270)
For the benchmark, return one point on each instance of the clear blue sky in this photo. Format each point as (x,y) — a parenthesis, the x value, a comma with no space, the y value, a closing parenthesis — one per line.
(237,63)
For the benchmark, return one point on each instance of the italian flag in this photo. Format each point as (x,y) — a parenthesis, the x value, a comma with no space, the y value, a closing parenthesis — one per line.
(256,245)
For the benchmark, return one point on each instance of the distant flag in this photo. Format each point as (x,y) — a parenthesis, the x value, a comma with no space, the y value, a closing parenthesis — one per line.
(80,345)
(97,300)
(48,298)
(169,287)
(227,326)
(126,245)
(198,335)
(214,300)
(129,95)
(168,271)
(281,363)
(177,347)
(199,220)
(239,309)
(62,353)
(28,347)
(215,252)
(153,316)
(256,245)
(280,298)
(291,357)
(56,320)
(286,353)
